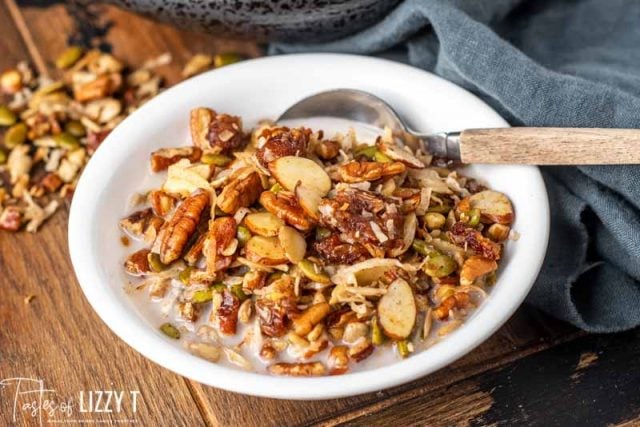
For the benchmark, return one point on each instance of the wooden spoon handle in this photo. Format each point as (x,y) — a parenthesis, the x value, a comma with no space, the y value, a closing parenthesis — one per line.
(550,146)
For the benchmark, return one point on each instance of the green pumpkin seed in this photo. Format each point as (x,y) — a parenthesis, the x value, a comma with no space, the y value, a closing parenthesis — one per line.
(313,272)
(202,295)
(243,235)
(238,292)
(215,159)
(435,220)
(377,337)
(7,117)
(15,135)
(185,275)
(75,128)
(276,188)
(403,348)
(155,263)
(439,265)
(69,57)
(66,140)
(420,246)
(169,330)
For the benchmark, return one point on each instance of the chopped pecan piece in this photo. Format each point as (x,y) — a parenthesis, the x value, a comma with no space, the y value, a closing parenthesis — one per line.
(99,88)
(281,142)
(285,206)
(475,267)
(243,190)
(311,369)
(137,263)
(273,318)
(369,171)
(10,219)
(188,311)
(181,226)
(51,182)
(327,150)
(136,223)
(228,313)
(338,360)
(361,349)
(161,202)
(163,158)
(221,133)
(254,279)
(464,236)
(459,300)
(222,233)
(195,251)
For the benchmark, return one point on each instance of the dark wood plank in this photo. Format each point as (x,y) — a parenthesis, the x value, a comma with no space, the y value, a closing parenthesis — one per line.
(590,381)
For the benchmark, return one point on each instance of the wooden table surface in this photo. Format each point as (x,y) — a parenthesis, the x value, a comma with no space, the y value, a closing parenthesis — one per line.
(533,371)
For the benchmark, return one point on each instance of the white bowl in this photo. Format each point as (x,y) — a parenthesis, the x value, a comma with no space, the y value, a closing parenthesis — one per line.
(260,89)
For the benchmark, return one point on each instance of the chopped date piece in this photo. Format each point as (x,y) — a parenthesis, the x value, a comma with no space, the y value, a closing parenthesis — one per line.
(220,133)
(10,219)
(281,142)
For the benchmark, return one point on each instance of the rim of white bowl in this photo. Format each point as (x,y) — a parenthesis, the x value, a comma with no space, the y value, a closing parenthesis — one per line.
(136,333)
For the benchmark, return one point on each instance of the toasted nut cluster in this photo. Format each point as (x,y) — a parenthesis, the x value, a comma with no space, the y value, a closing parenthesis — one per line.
(220,133)
(280,142)
(311,254)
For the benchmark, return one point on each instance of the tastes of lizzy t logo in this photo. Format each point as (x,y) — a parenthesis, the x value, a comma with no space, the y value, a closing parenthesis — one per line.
(31,399)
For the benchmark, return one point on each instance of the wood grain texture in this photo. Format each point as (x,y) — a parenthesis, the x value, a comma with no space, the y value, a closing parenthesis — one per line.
(550,146)
(43,338)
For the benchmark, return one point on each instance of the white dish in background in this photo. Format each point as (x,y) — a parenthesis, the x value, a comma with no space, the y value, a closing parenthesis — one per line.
(261,89)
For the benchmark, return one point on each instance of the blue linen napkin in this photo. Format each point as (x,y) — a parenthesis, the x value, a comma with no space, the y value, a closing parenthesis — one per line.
(546,63)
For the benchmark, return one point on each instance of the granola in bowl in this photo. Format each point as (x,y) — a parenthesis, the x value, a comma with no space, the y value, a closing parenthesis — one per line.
(293,253)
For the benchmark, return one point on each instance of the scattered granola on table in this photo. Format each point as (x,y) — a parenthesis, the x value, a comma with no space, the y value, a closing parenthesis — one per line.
(50,128)
(292,253)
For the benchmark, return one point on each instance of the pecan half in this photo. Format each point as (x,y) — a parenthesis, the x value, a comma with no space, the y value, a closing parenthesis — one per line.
(163,158)
(181,226)
(311,369)
(243,190)
(369,171)
(285,206)
(222,233)
(471,238)
(137,263)
(281,142)
(222,133)
(228,313)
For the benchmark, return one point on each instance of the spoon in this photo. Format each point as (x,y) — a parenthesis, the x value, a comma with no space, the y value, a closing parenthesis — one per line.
(517,145)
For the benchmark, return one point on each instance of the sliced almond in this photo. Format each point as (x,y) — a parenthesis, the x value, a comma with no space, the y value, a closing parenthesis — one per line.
(475,267)
(291,170)
(309,200)
(400,154)
(263,223)
(293,243)
(493,206)
(397,310)
(265,251)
